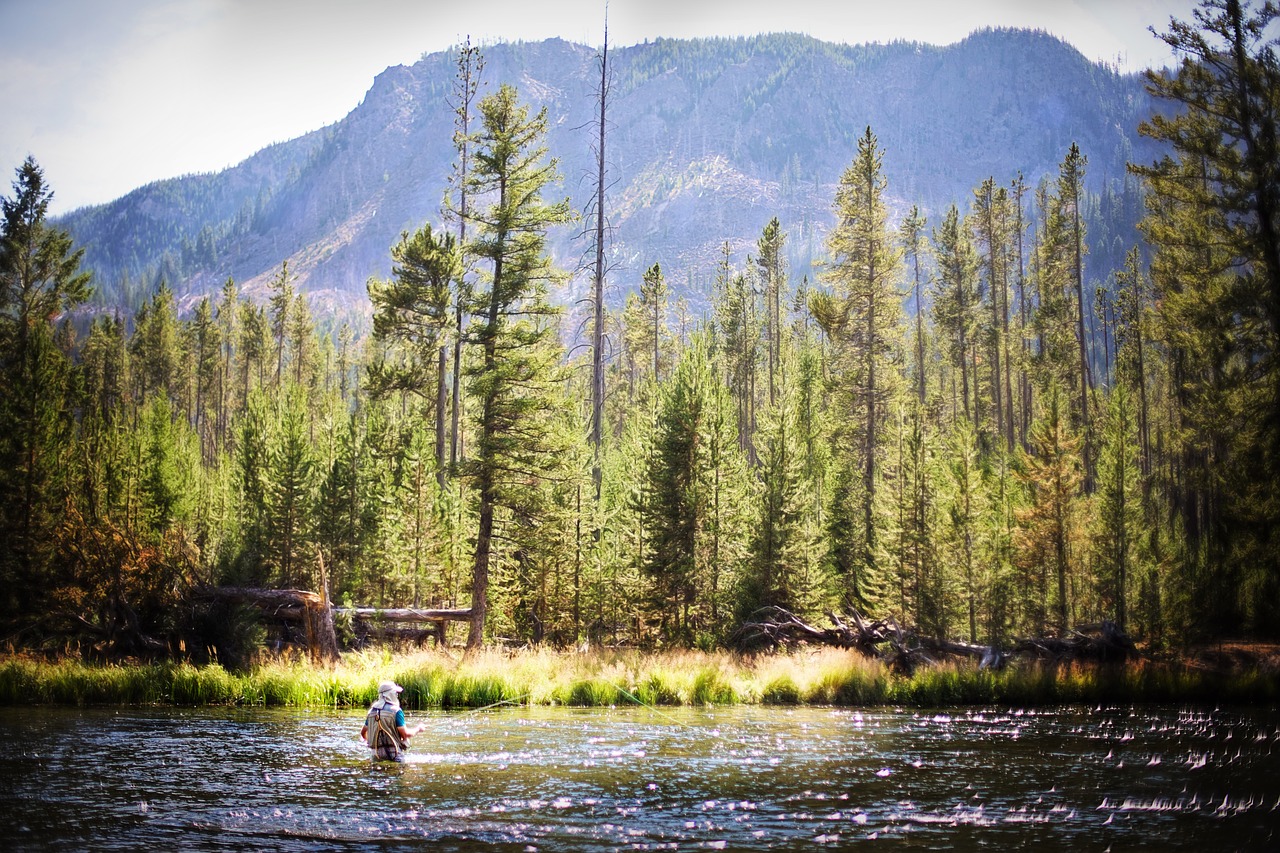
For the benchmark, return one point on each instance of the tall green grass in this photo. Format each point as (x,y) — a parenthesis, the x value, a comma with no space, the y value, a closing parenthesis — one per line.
(607,678)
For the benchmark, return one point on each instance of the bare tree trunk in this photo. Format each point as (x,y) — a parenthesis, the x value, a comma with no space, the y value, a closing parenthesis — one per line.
(1086,380)
(442,368)
(597,294)
(1024,382)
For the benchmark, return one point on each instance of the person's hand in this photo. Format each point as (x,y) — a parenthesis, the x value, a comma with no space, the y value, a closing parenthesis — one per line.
(420,727)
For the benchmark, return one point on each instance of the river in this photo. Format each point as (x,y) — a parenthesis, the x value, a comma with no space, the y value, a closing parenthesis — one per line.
(739,778)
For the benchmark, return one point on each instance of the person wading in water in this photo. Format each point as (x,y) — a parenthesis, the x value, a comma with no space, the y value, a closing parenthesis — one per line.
(384,731)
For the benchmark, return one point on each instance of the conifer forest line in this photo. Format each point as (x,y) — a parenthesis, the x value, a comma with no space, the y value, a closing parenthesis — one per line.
(946,427)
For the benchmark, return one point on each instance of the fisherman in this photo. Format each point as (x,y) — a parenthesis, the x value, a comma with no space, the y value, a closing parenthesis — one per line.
(384,730)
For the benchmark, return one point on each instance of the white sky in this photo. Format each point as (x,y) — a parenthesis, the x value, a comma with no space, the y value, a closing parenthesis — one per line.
(108,95)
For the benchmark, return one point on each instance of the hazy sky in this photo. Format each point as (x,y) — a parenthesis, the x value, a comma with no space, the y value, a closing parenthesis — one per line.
(108,95)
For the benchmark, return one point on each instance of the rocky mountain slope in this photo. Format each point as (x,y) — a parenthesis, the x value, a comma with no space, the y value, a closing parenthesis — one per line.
(707,140)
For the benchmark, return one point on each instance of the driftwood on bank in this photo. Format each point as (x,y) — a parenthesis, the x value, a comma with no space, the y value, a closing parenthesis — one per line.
(316,614)
(405,614)
(1103,642)
(408,624)
(904,649)
(777,626)
(291,605)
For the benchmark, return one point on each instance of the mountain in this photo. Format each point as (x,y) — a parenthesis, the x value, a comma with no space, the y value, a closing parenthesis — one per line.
(707,140)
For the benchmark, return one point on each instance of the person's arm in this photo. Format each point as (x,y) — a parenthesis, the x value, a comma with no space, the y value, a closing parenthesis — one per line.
(405,734)
(364,732)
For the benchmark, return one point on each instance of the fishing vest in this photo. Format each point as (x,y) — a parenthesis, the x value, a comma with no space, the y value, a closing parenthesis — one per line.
(382,727)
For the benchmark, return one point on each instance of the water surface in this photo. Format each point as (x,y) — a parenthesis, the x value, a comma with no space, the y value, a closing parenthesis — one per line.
(740,778)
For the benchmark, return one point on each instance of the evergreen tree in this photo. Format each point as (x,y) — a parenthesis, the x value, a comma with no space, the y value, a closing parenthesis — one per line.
(779,548)
(228,320)
(168,468)
(289,498)
(40,278)
(653,305)
(1046,532)
(912,234)
(155,347)
(692,494)
(738,341)
(771,248)
(204,343)
(863,270)
(252,463)
(301,332)
(413,312)
(279,305)
(1070,192)
(339,532)
(466,88)
(1120,507)
(956,302)
(1214,220)
(512,330)
(965,507)
(991,226)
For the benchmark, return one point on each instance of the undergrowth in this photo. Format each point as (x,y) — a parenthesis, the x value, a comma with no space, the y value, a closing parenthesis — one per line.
(607,678)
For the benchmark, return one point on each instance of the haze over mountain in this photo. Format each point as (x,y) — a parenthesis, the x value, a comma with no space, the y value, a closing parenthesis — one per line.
(707,140)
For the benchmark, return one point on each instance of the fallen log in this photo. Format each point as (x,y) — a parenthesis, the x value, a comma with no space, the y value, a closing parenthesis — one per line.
(312,609)
(904,649)
(405,614)
(986,656)
(1103,642)
(776,627)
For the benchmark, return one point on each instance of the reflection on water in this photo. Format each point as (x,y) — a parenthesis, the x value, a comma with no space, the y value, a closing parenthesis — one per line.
(568,779)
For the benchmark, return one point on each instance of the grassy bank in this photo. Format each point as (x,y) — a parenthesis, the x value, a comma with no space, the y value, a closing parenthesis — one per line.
(432,680)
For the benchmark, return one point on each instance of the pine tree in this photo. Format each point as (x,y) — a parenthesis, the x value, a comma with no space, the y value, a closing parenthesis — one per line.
(290,477)
(279,305)
(340,496)
(738,341)
(597,291)
(412,312)
(228,320)
(156,348)
(1120,506)
(864,266)
(39,280)
(692,497)
(965,507)
(168,468)
(1214,220)
(204,343)
(1070,200)
(956,301)
(653,308)
(249,483)
(1046,528)
(991,226)
(913,247)
(769,261)
(512,329)
(466,88)
(1025,351)
(780,549)
(301,331)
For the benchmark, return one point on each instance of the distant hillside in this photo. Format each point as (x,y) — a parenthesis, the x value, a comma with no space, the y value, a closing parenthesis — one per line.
(708,139)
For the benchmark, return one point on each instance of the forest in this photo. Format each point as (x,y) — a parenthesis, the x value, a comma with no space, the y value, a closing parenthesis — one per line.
(945,427)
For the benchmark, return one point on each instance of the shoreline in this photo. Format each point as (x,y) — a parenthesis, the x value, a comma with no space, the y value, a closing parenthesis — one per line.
(822,677)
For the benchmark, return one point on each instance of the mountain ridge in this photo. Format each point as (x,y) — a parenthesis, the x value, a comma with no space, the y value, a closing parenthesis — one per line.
(708,140)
